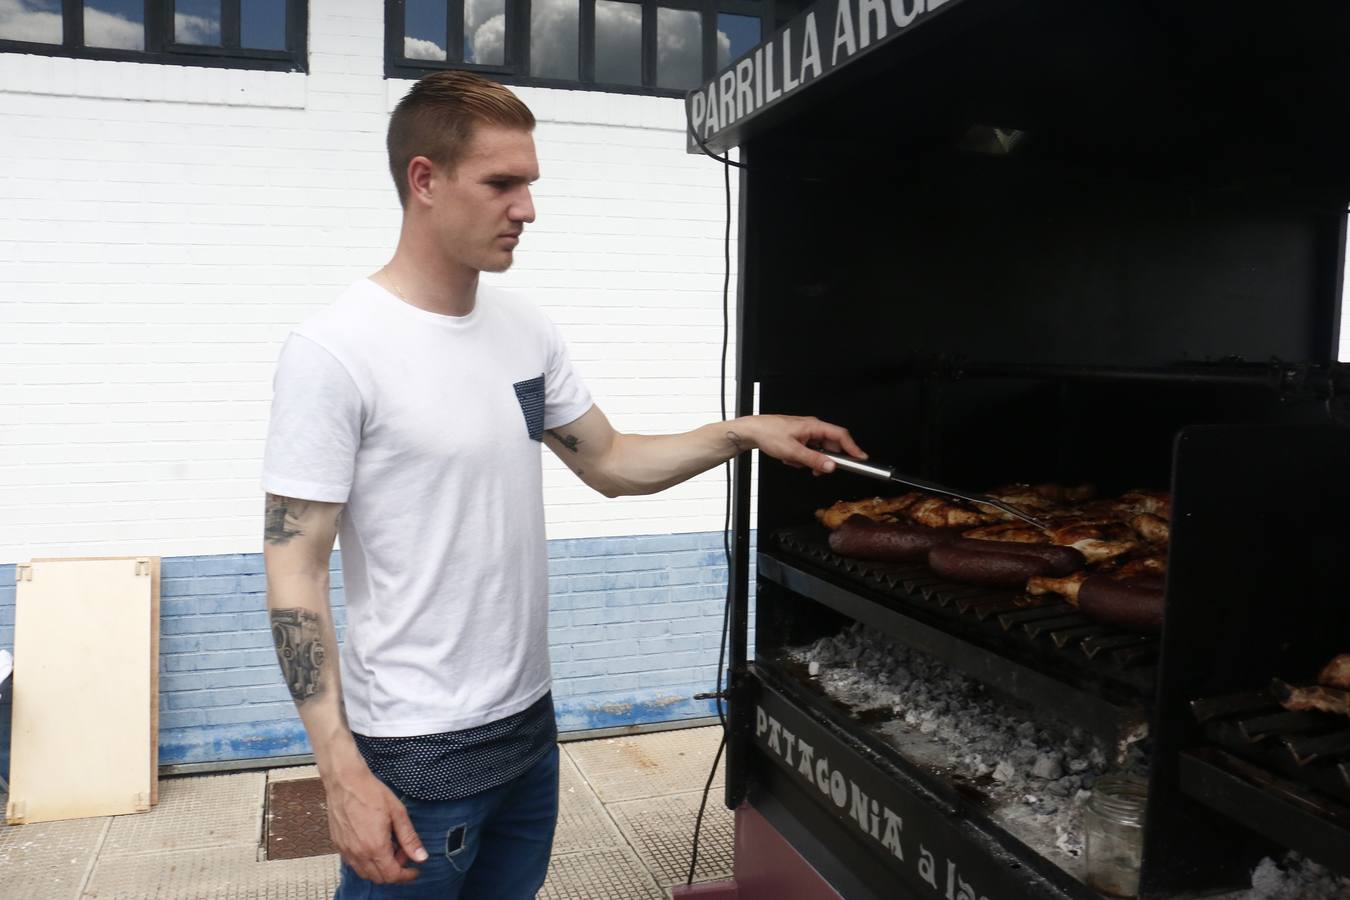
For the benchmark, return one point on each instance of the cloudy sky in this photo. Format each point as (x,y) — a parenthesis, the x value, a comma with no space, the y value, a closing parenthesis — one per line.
(117,24)
(31,20)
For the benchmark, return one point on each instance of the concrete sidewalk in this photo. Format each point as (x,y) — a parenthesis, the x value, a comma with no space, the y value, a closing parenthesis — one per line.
(626,817)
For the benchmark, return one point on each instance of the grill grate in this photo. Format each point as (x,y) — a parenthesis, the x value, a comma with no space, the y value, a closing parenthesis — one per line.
(1311,748)
(1048,625)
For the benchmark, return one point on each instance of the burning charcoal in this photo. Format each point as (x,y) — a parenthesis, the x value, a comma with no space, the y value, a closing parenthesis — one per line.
(1047,766)
(1032,771)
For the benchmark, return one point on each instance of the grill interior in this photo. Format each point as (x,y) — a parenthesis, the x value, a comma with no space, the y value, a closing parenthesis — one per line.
(1308,747)
(1045,627)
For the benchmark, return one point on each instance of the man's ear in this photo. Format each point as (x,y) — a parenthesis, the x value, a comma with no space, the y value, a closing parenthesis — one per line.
(420,174)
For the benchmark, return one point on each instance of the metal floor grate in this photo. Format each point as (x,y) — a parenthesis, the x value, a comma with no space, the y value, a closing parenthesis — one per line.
(297,820)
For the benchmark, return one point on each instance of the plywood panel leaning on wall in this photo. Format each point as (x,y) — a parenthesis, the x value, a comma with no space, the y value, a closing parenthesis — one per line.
(84,740)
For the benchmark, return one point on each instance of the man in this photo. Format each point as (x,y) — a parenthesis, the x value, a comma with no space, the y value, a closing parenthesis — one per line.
(407,417)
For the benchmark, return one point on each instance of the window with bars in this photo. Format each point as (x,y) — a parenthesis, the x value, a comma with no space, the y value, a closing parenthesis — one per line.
(663,47)
(252,34)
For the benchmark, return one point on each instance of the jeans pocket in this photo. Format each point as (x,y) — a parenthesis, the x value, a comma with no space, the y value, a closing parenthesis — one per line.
(530,394)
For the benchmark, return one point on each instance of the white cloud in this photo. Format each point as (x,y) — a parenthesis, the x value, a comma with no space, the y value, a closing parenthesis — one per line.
(488,40)
(24,21)
(105,29)
(618,41)
(478,12)
(553,38)
(417,48)
(723,49)
(196,30)
(679,48)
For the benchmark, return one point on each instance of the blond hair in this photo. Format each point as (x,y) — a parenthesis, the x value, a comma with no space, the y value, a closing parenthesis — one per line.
(436,119)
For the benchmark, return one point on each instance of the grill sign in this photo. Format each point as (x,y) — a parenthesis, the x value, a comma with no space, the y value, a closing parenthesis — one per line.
(839,780)
(830,34)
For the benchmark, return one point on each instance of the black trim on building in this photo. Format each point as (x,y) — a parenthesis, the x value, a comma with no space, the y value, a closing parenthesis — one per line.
(161,46)
(515,70)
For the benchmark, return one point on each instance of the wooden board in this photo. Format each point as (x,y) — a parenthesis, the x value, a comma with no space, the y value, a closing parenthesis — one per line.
(84,735)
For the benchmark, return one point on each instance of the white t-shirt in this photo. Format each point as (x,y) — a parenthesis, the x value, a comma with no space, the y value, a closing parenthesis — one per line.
(429,428)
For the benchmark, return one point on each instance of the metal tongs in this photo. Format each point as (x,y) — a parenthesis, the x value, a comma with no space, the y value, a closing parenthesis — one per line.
(882,473)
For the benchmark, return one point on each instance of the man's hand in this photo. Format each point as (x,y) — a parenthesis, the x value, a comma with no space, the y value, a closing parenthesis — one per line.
(371,829)
(796,440)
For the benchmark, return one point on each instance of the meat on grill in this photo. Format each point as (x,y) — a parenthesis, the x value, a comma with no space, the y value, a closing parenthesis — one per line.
(1066,587)
(1000,563)
(1152,528)
(1158,503)
(1336,674)
(861,538)
(1098,540)
(878,509)
(1069,585)
(1331,694)
(1133,603)
(1043,496)
(1019,532)
(1321,699)
(936,512)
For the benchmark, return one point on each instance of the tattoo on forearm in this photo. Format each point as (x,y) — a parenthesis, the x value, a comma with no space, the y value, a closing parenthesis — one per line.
(736,441)
(282,521)
(298,635)
(570,441)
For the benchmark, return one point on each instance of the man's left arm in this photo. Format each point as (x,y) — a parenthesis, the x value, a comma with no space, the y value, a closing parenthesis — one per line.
(618,464)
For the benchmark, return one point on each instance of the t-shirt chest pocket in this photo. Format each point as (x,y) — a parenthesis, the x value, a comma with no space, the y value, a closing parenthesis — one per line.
(530,394)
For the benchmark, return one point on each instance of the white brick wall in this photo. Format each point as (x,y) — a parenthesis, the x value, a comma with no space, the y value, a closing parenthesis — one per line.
(162,227)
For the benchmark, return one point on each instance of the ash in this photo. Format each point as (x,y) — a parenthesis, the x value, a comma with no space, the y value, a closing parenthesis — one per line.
(1037,773)
(1297,878)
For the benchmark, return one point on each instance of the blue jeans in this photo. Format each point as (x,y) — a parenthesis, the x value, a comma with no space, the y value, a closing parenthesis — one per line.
(491,846)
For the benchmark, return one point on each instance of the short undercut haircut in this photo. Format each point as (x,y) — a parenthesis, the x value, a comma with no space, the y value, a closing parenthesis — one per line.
(436,120)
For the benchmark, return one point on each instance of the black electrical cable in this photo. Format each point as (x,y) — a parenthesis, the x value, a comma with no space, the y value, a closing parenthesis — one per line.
(726,519)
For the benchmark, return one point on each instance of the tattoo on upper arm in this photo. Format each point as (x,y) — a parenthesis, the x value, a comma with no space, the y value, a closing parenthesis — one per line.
(570,441)
(282,520)
(298,635)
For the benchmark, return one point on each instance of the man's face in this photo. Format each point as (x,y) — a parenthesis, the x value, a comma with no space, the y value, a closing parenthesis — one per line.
(483,204)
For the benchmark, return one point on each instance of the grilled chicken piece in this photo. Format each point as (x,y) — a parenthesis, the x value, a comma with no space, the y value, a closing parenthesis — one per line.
(1008,531)
(935,512)
(1158,503)
(1152,528)
(1145,565)
(1098,541)
(1044,495)
(1066,587)
(878,509)
(1336,674)
(1322,699)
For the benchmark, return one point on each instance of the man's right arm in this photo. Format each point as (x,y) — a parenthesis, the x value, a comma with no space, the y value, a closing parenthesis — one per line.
(362,813)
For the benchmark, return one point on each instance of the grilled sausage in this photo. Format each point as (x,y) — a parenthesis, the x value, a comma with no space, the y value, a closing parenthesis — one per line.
(861,538)
(1135,604)
(983,567)
(1061,560)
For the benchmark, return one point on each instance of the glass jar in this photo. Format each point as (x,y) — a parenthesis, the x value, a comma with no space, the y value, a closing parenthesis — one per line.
(1114,826)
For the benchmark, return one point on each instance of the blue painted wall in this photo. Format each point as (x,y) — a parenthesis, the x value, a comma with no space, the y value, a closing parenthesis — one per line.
(634,627)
